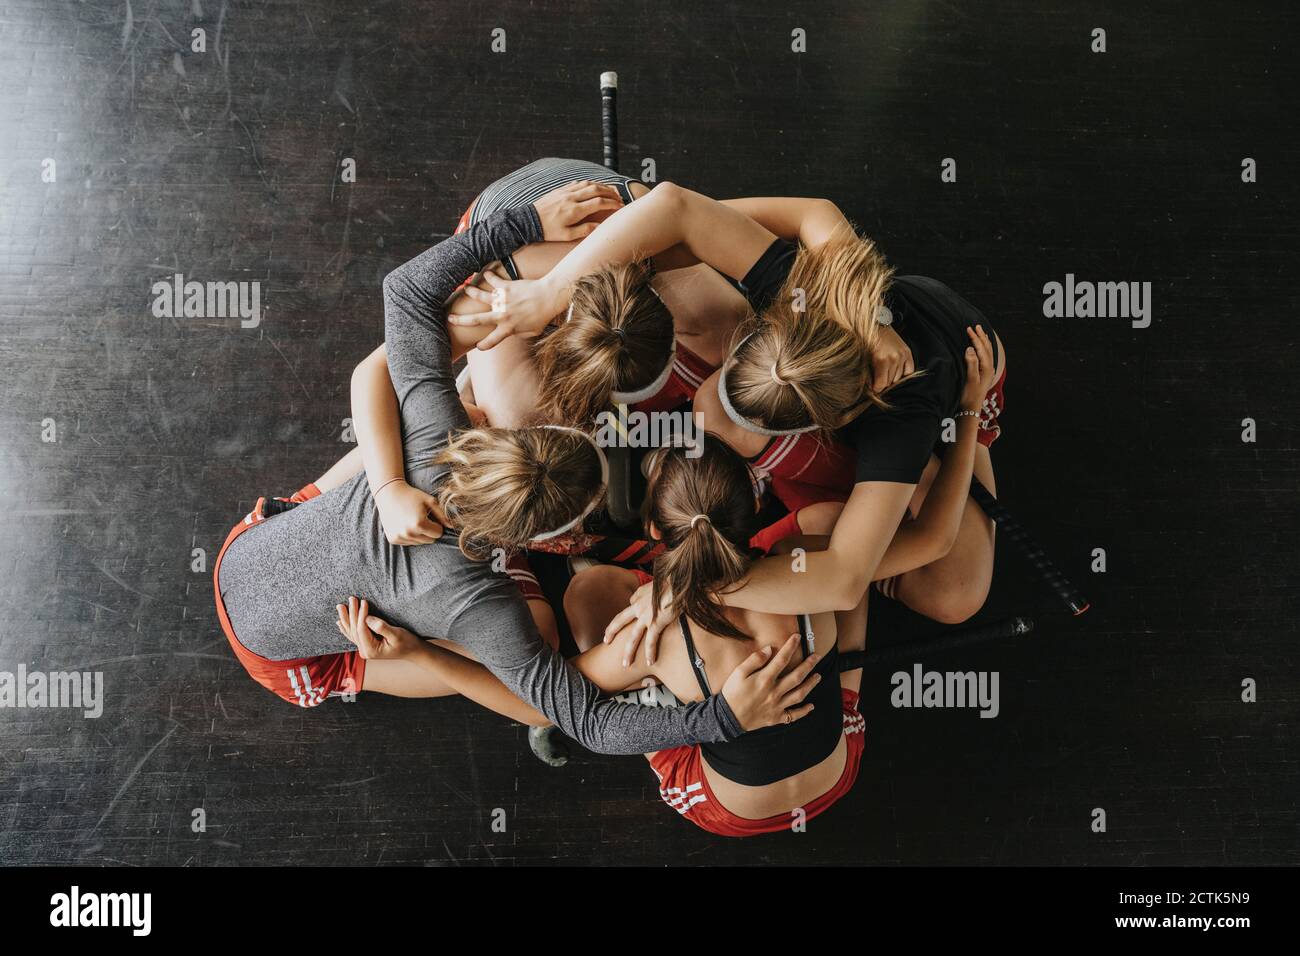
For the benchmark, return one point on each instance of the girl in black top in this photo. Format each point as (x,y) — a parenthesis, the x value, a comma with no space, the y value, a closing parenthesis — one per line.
(838,321)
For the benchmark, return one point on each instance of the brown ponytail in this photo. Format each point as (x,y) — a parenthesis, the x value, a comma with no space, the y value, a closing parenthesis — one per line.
(704,510)
(618,337)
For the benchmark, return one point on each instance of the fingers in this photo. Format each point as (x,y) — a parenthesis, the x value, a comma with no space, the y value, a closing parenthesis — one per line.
(585,190)
(754,662)
(589,207)
(420,536)
(380,626)
(495,279)
(797,712)
(781,659)
(797,675)
(475,318)
(981,339)
(358,635)
(652,644)
(796,696)
(621,620)
(983,351)
(502,332)
(632,635)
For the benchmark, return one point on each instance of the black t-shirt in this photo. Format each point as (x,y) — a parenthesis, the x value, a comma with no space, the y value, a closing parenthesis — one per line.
(764,278)
(895,444)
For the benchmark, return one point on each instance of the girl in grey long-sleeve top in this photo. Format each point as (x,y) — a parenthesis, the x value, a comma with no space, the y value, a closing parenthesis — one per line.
(280,581)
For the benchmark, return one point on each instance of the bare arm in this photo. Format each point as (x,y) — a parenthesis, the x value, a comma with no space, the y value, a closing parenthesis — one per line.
(808,221)
(931,536)
(375,419)
(340,472)
(834,579)
(471,679)
(408,515)
(669,216)
(868,528)
(376,639)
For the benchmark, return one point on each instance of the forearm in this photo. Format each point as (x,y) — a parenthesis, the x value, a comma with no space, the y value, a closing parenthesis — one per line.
(499,631)
(472,680)
(670,216)
(416,293)
(809,221)
(834,579)
(375,420)
(640,229)
(931,535)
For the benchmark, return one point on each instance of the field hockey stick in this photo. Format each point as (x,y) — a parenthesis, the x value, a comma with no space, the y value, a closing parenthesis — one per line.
(998,630)
(609,118)
(1051,575)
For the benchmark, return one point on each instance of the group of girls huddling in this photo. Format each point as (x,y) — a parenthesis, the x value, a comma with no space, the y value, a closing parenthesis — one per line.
(845,411)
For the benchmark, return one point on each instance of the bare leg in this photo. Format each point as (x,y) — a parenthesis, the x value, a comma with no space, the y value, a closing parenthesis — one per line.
(400,678)
(341,471)
(592,599)
(403,679)
(954,588)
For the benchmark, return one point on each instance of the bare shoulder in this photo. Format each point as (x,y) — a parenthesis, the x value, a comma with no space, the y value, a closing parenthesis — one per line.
(716,421)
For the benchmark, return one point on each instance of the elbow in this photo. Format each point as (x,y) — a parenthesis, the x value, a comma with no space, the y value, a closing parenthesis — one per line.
(827,208)
(395,282)
(847,589)
(361,374)
(944,543)
(670,197)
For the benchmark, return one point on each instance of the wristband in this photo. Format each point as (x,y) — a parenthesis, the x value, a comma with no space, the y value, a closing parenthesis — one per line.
(965,412)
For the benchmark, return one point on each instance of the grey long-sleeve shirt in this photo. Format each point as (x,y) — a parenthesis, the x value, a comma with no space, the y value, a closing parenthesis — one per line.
(281,579)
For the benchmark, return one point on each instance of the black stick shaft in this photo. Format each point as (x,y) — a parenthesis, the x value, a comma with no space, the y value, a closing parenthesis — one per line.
(1075,602)
(998,630)
(609,118)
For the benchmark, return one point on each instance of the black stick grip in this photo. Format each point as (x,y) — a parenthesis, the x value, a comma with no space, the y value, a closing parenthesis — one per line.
(1075,602)
(609,118)
(998,630)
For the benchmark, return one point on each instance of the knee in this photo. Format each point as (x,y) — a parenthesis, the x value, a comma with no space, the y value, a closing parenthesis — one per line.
(957,605)
(587,593)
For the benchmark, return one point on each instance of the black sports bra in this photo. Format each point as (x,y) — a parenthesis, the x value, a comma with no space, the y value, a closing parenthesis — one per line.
(765,756)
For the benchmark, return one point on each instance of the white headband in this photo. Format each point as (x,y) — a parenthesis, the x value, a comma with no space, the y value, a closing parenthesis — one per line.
(651,390)
(596,498)
(741,420)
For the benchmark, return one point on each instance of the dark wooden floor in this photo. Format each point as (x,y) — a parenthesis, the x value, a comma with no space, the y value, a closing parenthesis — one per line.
(1117,166)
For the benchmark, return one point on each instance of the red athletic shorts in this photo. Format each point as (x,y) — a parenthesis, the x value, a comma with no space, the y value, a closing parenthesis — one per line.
(994,402)
(684,787)
(805,470)
(305,681)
